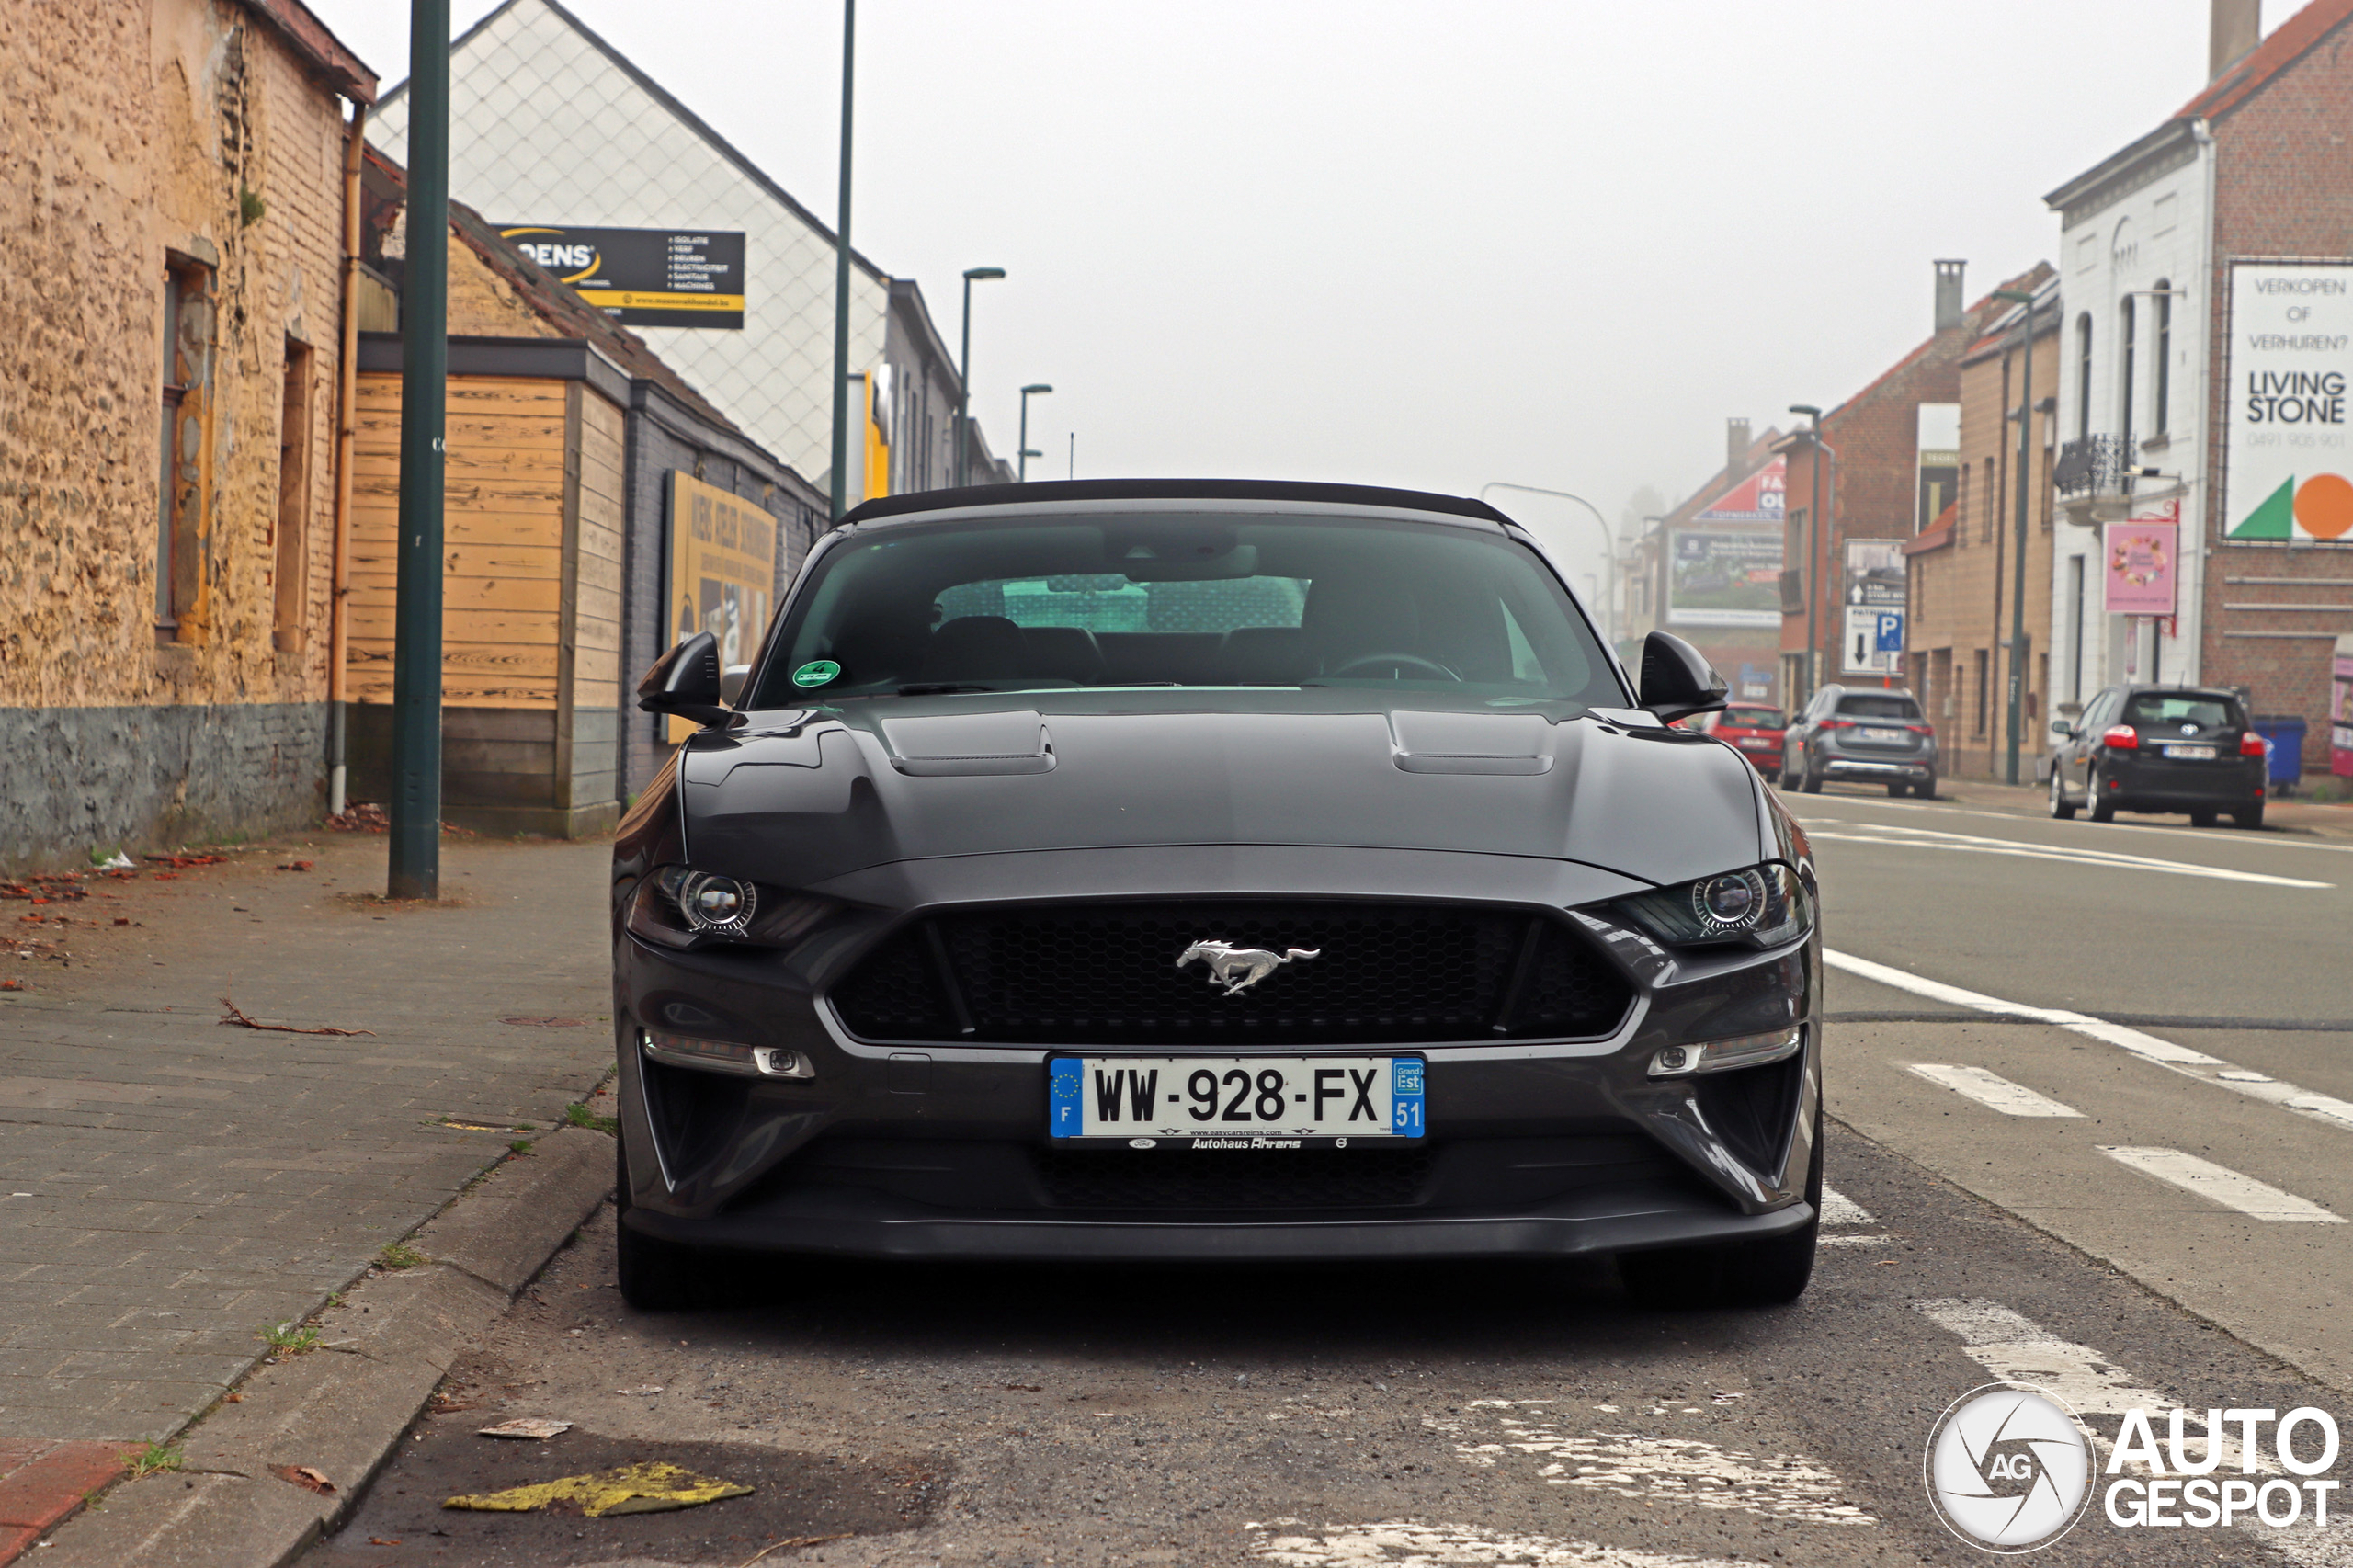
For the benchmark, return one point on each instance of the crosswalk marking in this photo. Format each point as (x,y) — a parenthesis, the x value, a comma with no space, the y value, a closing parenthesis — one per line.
(1838,1210)
(1992,1090)
(2225,1186)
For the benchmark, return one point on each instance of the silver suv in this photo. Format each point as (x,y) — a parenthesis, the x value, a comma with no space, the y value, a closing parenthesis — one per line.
(1865,733)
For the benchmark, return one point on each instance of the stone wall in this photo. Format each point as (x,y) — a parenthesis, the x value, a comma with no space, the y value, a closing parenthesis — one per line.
(147,777)
(134,132)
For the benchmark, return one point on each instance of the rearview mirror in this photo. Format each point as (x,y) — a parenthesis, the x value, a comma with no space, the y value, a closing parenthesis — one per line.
(1677,681)
(685,683)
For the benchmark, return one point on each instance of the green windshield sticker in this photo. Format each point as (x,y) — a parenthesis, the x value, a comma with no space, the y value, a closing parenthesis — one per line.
(816,671)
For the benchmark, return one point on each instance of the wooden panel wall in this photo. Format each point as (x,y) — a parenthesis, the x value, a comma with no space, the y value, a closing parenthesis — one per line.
(593,634)
(504,540)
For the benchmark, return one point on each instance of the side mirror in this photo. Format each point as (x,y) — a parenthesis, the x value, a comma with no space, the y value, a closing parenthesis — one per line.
(731,684)
(685,683)
(1677,681)
(2064,730)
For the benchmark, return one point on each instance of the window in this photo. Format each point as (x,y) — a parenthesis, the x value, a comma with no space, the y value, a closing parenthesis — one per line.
(2160,416)
(292,569)
(1961,508)
(1169,599)
(2084,375)
(185,380)
(1980,683)
(2126,343)
(2075,642)
(1879,705)
(1987,502)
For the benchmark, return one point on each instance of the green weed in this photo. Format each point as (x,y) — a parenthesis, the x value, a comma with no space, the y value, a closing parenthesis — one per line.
(289,1339)
(399,1255)
(581,1116)
(153,1457)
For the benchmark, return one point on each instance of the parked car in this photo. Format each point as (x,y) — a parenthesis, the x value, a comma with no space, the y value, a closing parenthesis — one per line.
(1866,734)
(2159,748)
(1753,730)
(1359,907)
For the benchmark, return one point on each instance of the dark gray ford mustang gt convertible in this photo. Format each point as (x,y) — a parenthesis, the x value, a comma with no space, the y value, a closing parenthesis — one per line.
(1205,870)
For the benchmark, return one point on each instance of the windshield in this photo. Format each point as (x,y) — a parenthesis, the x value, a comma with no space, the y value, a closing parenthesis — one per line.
(2208,712)
(1180,600)
(1879,707)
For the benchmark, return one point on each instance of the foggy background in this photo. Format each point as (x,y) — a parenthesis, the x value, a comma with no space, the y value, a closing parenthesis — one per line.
(1419,244)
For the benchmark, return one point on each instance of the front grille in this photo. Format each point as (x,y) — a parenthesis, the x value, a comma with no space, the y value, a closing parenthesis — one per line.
(1106,974)
(1290,1179)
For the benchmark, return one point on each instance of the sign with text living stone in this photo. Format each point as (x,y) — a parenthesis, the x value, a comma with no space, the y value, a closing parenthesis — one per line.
(2288,443)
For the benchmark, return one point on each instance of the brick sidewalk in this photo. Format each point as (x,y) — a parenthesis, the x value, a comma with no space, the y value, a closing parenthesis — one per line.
(169,1185)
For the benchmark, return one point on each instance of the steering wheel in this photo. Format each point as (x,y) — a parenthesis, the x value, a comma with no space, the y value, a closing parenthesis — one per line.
(1436,669)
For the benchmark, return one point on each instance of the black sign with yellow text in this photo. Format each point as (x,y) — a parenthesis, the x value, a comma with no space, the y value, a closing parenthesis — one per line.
(645,277)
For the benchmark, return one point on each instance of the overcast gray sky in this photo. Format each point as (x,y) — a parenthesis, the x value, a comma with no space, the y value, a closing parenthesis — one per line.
(1556,242)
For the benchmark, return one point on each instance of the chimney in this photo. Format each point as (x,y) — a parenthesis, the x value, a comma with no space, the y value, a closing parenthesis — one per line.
(1736,445)
(1949,304)
(2235,29)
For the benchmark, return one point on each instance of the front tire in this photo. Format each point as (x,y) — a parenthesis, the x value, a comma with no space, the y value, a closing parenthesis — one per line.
(655,1276)
(1736,1274)
(2061,807)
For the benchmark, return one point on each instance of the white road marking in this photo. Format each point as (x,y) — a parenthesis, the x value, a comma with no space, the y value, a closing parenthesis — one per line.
(1991,1090)
(1837,1208)
(1407,1544)
(1846,1241)
(2223,1186)
(2163,1052)
(1631,1464)
(2205,835)
(1931,838)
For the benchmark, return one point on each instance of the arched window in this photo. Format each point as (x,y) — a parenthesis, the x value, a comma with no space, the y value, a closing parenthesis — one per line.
(2160,416)
(2084,375)
(2125,345)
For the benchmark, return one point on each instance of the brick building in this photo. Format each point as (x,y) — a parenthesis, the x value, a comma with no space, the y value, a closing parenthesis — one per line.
(2208,261)
(1861,475)
(1705,571)
(1963,569)
(171,370)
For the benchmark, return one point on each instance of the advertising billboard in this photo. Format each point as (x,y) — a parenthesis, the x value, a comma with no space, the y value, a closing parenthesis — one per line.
(645,277)
(722,572)
(2288,454)
(1762,497)
(1873,597)
(2141,558)
(1723,578)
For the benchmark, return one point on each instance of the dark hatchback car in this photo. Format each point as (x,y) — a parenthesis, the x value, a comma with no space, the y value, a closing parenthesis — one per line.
(1862,734)
(1208,871)
(2159,748)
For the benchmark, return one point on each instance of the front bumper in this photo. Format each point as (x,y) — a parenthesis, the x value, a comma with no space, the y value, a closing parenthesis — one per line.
(1537,1148)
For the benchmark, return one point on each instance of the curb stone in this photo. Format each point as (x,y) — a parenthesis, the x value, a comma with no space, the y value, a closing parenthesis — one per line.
(342,1409)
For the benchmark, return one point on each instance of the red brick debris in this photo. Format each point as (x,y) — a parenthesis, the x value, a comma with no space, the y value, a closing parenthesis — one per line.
(42,1482)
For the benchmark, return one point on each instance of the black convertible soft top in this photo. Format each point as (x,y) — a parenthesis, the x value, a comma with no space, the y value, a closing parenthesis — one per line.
(1172,490)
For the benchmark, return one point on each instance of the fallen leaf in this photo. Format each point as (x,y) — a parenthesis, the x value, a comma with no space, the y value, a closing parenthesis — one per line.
(123,919)
(533,1426)
(11,986)
(649,1488)
(379,1541)
(297,866)
(233,1397)
(303,1476)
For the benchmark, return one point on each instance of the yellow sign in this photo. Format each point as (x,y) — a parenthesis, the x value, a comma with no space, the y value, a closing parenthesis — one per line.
(626,299)
(723,571)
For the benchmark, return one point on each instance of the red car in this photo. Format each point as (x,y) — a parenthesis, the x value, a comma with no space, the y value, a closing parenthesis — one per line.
(1753,730)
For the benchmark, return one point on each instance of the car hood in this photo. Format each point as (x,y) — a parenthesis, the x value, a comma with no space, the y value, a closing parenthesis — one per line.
(793,799)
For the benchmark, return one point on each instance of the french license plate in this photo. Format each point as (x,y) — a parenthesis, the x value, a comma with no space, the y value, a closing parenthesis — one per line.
(2190,753)
(1235,1102)
(1878,737)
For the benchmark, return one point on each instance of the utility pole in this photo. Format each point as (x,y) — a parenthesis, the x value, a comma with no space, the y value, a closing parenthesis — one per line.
(1813,552)
(415,829)
(2018,530)
(841,273)
(964,374)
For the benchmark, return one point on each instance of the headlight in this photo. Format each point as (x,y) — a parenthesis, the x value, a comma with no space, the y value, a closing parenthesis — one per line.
(1764,905)
(679,906)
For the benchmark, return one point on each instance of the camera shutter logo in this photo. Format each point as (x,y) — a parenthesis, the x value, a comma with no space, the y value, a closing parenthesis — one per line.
(2008,1468)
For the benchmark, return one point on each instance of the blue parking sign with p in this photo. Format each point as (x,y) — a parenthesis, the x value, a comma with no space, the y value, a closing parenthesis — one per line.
(1888,636)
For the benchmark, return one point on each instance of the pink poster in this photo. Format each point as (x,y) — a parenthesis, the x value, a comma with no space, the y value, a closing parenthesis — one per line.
(2340,713)
(2141,562)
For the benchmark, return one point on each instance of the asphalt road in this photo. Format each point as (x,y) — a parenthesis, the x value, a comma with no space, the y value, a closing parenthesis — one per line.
(2092,1099)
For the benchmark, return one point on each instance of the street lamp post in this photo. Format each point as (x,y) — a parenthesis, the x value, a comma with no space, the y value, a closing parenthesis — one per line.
(1035,388)
(1609,545)
(1813,550)
(2017,584)
(841,275)
(964,374)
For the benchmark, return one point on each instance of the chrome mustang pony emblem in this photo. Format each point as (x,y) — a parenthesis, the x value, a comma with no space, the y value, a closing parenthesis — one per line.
(1239,969)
